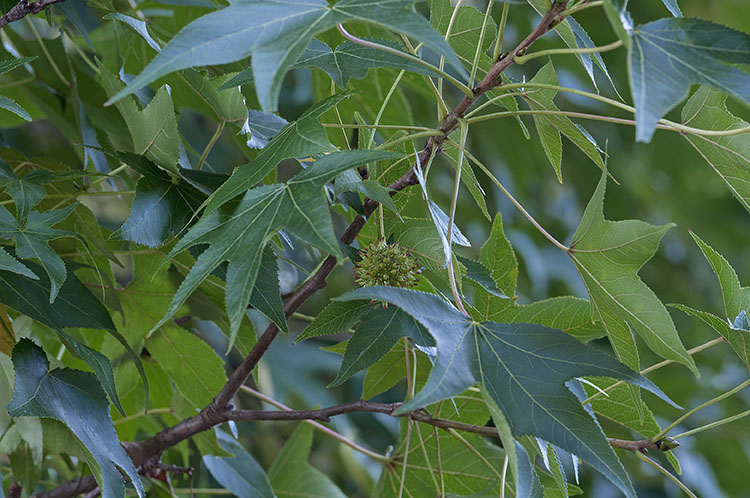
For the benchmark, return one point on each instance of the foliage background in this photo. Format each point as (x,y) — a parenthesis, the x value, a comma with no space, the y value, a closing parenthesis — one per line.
(663,181)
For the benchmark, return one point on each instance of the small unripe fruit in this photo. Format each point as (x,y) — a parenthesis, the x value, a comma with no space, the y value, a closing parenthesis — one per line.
(386,264)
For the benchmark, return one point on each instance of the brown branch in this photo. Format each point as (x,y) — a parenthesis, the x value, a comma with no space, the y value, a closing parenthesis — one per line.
(14,490)
(220,409)
(25,8)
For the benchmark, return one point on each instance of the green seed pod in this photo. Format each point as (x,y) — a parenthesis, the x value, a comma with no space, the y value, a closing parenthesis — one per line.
(386,264)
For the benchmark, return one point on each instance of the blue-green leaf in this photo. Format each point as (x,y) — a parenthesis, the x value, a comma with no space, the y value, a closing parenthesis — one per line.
(76,399)
(524,369)
(670,54)
(276,33)
(241,475)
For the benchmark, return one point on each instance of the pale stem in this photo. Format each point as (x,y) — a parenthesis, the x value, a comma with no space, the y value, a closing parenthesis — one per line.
(699,408)
(406,458)
(365,43)
(501,33)
(523,59)
(582,6)
(664,124)
(47,54)
(478,52)
(319,426)
(407,138)
(518,205)
(448,35)
(152,411)
(452,217)
(380,126)
(112,173)
(505,473)
(712,425)
(664,471)
(442,106)
(338,115)
(210,145)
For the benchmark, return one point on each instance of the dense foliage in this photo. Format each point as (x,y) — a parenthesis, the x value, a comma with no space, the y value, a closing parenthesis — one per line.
(200,196)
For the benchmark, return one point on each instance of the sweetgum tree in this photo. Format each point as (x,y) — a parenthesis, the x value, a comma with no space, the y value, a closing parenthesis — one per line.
(195,172)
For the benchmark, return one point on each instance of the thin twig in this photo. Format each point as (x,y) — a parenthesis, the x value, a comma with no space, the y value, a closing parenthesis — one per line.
(25,8)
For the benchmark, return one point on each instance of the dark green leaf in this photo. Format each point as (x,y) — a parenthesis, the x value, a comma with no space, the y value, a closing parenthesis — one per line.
(33,236)
(482,275)
(302,138)
(668,55)
(161,207)
(241,474)
(239,230)
(351,60)
(276,34)
(534,400)
(262,127)
(380,329)
(76,399)
(26,191)
(334,318)
(11,64)
(266,296)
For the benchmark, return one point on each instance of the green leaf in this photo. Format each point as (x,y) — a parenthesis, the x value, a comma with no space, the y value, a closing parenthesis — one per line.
(380,329)
(480,274)
(337,316)
(351,60)
(194,368)
(26,191)
(10,64)
(262,127)
(76,399)
(608,256)
(161,207)
(617,406)
(551,127)
(668,55)
(728,156)
(11,264)
(290,474)
(534,400)
(266,296)
(12,106)
(33,236)
(240,475)
(138,25)
(276,34)
(570,314)
(302,138)
(238,232)
(620,19)
(369,188)
(153,129)
(195,90)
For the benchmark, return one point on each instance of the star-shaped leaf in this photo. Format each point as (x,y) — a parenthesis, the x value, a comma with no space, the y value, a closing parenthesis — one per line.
(32,241)
(608,255)
(239,230)
(523,367)
(302,138)
(26,191)
(351,60)
(668,55)
(76,399)
(276,33)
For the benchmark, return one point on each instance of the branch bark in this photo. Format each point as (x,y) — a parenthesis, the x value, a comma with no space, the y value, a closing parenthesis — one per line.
(220,409)
(25,8)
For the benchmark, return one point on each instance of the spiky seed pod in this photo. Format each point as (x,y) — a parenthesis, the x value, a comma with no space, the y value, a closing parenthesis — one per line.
(386,264)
